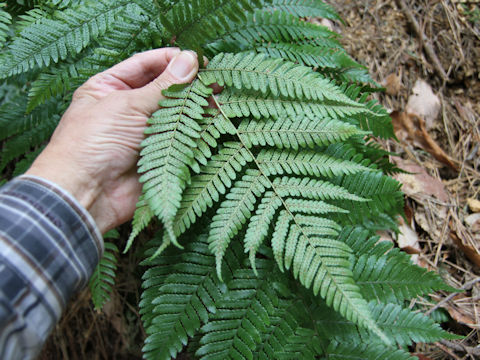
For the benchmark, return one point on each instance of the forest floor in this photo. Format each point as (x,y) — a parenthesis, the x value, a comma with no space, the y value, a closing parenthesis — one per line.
(427,55)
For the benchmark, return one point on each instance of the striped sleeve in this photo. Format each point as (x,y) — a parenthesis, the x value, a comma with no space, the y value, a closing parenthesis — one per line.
(49,247)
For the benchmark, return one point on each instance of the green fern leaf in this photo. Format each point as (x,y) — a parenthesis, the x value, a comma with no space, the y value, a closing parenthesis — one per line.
(386,274)
(333,61)
(348,351)
(383,191)
(393,278)
(191,22)
(236,104)
(321,263)
(281,162)
(244,317)
(264,27)
(215,178)
(259,225)
(302,8)
(167,153)
(103,279)
(141,218)
(295,133)
(283,326)
(303,344)
(275,76)
(313,189)
(5,21)
(181,292)
(52,83)
(234,212)
(51,40)
(407,327)
(27,131)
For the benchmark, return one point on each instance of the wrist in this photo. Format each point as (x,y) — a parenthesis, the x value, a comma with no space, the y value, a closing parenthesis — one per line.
(63,172)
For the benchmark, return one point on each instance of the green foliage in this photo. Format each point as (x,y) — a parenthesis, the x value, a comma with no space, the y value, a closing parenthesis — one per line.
(279,173)
(5,21)
(103,279)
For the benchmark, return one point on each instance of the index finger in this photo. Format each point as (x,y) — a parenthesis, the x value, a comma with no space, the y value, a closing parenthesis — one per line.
(142,68)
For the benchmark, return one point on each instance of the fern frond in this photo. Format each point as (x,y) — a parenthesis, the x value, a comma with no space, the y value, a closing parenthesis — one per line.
(234,212)
(191,22)
(384,273)
(259,225)
(264,27)
(302,8)
(5,22)
(295,133)
(141,218)
(348,351)
(393,278)
(304,343)
(322,264)
(236,329)
(378,122)
(31,16)
(167,153)
(307,162)
(213,127)
(103,278)
(52,83)
(383,191)
(333,61)
(313,189)
(205,189)
(28,131)
(12,116)
(236,104)
(24,164)
(275,76)
(284,324)
(52,40)
(407,327)
(181,292)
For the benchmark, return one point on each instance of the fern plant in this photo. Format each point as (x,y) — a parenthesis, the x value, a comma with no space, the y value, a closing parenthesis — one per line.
(266,204)
(103,279)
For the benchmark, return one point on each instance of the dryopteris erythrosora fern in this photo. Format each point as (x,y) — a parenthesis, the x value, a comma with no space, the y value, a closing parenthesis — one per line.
(282,177)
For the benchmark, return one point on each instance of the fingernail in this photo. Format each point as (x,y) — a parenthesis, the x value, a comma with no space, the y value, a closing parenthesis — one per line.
(183,65)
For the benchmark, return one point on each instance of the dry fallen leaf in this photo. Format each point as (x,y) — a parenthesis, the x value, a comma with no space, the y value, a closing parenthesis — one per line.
(392,84)
(419,182)
(385,236)
(474,205)
(412,127)
(468,248)
(424,103)
(473,221)
(407,239)
(460,315)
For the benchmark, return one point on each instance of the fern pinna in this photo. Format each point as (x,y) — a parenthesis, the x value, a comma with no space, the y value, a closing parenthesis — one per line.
(271,197)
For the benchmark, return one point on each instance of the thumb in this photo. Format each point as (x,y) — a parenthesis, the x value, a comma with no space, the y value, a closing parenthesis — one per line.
(182,69)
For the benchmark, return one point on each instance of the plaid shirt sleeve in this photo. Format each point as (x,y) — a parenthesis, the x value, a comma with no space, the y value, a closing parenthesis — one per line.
(49,247)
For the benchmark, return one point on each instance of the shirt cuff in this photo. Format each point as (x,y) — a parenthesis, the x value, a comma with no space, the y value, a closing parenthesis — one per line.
(67,244)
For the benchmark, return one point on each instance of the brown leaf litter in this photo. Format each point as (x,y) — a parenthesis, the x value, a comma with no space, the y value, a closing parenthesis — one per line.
(427,55)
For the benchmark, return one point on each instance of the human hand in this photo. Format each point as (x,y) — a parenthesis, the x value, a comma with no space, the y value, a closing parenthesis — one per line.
(94,150)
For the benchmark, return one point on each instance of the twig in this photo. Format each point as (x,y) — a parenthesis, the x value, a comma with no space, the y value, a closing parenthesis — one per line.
(447,351)
(474,351)
(423,38)
(466,286)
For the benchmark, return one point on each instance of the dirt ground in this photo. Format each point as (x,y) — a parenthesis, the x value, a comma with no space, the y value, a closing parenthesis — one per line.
(437,123)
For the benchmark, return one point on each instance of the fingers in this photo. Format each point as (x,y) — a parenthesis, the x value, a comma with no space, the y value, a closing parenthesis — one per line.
(142,68)
(182,69)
